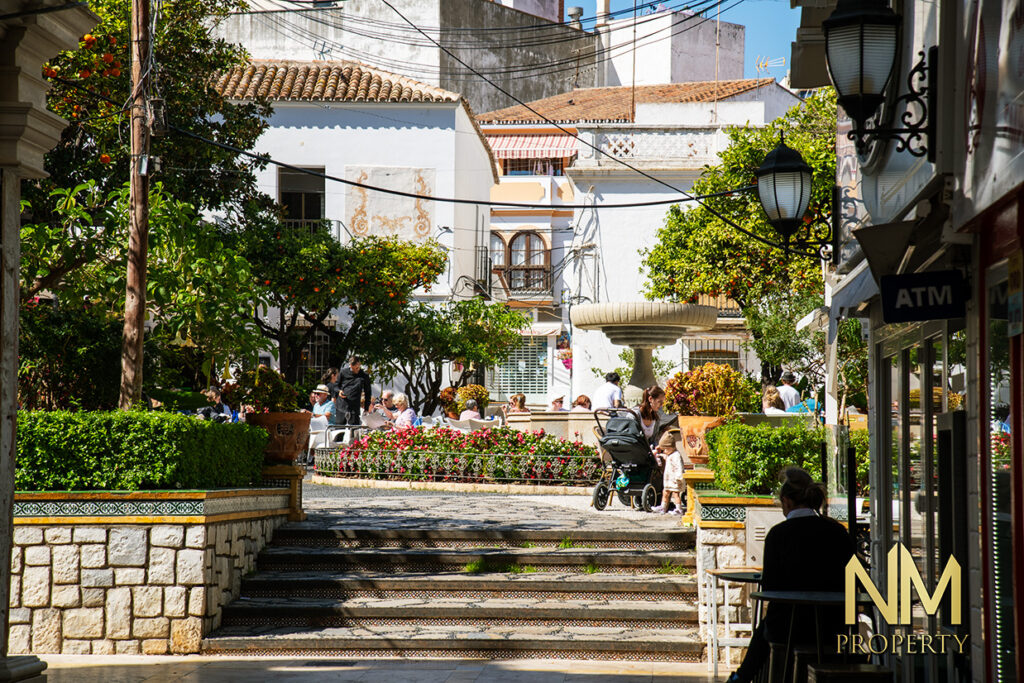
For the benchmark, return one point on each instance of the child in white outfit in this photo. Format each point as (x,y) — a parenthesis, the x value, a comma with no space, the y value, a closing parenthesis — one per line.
(672,479)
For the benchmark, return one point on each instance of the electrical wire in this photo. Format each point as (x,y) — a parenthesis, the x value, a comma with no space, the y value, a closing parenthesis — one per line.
(262,158)
(311,5)
(586,142)
(564,65)
(517,40)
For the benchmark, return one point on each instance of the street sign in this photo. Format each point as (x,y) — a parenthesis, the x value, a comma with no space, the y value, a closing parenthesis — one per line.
(911,297)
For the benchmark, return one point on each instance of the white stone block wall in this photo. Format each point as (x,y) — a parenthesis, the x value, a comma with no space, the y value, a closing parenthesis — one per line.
(127,589)
(720,549)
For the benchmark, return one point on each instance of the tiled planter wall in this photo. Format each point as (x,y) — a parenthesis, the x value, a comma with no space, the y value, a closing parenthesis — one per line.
(721,544)
(139,573)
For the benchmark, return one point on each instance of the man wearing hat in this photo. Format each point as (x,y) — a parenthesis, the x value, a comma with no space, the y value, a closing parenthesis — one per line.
(790,396)
(556,402)
(323,404)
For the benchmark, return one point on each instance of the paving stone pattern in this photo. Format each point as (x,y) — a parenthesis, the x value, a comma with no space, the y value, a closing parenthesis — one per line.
(343,507)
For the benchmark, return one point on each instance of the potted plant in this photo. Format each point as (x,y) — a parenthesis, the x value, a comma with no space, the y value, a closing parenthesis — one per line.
(475,392)
(270,402)
(704,398)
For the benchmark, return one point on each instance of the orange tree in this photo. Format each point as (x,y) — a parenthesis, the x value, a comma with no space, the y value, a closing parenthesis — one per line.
(90,87)
(306,275)
(698,253)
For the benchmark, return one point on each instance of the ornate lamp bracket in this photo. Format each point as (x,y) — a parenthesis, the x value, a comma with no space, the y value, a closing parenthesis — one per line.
(917,136)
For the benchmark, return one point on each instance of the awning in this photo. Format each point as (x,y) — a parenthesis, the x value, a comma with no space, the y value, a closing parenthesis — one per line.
(532,146)
(542,330)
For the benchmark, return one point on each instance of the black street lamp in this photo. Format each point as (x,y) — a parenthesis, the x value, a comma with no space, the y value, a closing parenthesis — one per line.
(861,41)
(784,188)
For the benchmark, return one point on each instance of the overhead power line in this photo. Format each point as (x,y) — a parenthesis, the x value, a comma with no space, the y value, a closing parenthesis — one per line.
(555,66)
(262,158)
(596,148)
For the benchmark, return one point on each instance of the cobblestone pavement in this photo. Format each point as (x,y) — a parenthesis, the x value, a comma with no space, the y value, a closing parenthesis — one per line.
(206,669)
(412,509)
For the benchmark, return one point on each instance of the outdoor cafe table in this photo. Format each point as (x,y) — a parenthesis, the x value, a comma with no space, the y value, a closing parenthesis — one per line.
(815,599)
(728,575)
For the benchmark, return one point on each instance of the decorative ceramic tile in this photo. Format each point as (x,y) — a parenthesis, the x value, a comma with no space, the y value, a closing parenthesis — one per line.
(723,513)
(108,508)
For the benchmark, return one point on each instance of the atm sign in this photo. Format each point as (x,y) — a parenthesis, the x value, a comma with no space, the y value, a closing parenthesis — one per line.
(912,297)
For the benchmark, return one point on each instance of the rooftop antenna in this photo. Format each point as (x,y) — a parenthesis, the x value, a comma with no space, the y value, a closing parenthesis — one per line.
(765,64)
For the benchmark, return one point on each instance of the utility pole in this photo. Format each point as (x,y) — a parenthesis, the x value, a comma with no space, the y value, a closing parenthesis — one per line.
(138,221)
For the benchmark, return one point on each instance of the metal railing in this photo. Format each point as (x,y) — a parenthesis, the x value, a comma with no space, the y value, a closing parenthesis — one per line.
(515,281)
(459,467)
(727,308)
(336,229)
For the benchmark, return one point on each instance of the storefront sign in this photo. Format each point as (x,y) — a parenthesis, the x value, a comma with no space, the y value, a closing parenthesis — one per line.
(912,297)
(1015,294)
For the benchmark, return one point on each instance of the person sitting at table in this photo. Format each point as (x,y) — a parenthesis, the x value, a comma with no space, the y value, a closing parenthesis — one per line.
(581,404)
(405,415)
(516,404)
(323,405)
(805,552)
(771,401)
(470,413)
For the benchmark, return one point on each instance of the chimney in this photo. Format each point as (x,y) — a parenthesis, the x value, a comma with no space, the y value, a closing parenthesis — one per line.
(574,17)
(604,8)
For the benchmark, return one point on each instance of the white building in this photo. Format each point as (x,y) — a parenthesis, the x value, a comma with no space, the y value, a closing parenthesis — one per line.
(347,120)
(548,259)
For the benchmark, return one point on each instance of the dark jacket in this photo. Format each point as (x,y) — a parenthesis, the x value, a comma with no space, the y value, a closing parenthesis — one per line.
(353,384)
(805,554)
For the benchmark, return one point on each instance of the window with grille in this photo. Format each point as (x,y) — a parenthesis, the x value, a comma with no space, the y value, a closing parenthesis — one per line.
(704,351)
(534,166)
(525,371)
(313,359)
(301,195)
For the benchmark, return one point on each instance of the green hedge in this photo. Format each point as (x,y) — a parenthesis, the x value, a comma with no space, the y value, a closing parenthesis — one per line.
(747,459)
(131,451)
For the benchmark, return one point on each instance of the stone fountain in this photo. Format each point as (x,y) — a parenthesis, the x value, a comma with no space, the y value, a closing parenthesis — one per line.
(643,326)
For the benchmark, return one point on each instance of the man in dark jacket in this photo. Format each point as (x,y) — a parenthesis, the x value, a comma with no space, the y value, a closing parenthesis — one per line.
(355,390)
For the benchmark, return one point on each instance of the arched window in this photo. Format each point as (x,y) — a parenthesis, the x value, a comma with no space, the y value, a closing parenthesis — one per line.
(497,250)
(527,260)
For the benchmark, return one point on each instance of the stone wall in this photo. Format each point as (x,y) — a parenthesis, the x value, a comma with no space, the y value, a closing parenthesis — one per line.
(718,548)
(128,588)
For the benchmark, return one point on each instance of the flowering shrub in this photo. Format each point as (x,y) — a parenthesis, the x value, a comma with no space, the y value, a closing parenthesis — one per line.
(446,397)
(473,391)
(711,389)
(501,455)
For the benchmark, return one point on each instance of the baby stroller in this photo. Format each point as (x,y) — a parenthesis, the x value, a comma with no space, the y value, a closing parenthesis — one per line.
(633,473)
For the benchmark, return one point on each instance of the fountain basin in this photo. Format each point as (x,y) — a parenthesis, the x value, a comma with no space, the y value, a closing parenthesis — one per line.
(643,326)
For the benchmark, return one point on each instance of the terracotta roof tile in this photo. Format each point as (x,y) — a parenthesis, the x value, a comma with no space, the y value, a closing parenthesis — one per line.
(613,103)
(324,81)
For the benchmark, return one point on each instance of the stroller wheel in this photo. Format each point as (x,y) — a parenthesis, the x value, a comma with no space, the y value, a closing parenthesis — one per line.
(625,498)
(601,494)
(648,498)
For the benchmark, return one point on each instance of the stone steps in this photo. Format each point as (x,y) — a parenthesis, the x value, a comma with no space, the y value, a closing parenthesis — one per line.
(549,585)
(311,535)
(492,642)
(487,559)
(454,611)
(486,592)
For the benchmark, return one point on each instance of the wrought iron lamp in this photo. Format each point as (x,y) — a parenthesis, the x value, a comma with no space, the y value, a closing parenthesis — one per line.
(861,40)
(784,189)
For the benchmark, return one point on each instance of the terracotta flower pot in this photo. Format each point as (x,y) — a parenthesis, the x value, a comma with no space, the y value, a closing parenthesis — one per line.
(289,434)
(692,429)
